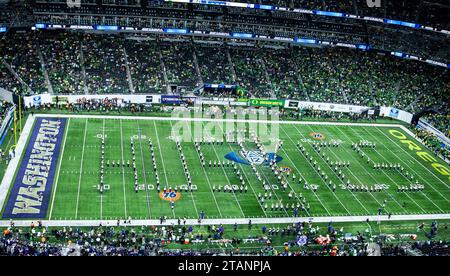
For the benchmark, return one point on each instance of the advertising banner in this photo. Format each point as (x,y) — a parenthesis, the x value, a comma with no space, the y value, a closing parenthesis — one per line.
(266,103)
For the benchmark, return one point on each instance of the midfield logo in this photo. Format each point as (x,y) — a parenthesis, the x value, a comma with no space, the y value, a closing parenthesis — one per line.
(253,158)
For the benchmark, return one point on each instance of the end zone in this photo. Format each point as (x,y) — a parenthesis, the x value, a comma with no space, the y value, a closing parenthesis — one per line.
(31,190)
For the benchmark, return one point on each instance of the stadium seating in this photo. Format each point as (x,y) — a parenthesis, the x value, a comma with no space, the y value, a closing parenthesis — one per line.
(21,53)
(423,12)
(62,57)
(317,74)
(104,61)
(145,66)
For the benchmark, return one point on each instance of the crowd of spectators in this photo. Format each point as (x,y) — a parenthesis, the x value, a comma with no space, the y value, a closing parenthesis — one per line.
(145,66)
(61,52)
(98,64)
(20,51)
(8,81)
(179,64)
(4,107)
(214,66)
(104,60)
(299,239)
(250,71)
(324,75)
(431,141)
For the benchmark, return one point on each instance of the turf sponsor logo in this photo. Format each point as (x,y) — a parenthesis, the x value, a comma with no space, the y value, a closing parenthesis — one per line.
(253,158)
(170,196)
(32,187)
(412,146)
(286,169)
(317,136)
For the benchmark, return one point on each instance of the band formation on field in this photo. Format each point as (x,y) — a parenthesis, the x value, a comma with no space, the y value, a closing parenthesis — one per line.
(89,169)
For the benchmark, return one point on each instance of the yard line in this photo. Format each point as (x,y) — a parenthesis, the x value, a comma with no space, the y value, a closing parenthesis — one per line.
(59,168)
(192,195)
(274,192)
(144,171)
(81,169)
(307,161)
(357,162)
(288,183)
(351,172)
(419,162)
(162,159)
(246,177)
(379,154)
(226,176)
(300,175)
(209,183)
(101,194)
(123,170)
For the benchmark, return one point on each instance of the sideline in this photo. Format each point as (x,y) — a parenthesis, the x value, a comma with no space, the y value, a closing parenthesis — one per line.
(335,219)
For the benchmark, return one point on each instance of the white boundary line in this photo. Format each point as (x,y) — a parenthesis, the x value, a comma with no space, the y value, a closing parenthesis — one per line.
(66,130)
(86,223)
(9,175)
(14,163)
(213,120)
(81,169)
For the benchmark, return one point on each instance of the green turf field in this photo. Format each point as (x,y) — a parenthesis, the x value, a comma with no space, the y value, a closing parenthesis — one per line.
(76,197)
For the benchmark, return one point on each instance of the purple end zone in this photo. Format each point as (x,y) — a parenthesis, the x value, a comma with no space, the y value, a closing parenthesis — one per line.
(33,184)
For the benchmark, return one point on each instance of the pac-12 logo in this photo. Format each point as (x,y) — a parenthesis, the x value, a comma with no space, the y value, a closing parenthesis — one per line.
(170,196)
(317,136)
(253,157)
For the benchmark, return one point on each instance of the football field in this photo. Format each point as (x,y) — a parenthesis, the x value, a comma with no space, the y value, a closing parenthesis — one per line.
(318,173)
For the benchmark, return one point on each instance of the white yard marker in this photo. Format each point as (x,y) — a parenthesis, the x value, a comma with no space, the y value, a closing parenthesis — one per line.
(162,160)
(192,195)
(307,161)
(59,168)
(356,177)
(123,170)
(226,176)
(101,195)
(81,169)
(144,171)
(209,183)
(230,221)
